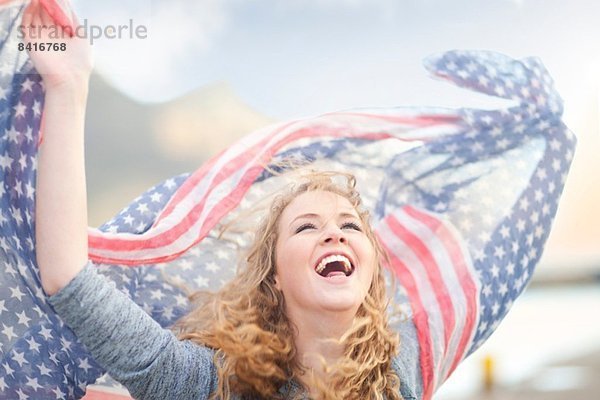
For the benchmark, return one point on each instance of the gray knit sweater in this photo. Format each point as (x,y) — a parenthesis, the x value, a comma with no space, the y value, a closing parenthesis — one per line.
(149,360)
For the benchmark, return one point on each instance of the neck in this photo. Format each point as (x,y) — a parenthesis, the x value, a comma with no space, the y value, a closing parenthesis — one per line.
(317,340)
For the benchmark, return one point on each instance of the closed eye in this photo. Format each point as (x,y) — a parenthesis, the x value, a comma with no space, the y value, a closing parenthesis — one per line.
(305,226)
(352,225)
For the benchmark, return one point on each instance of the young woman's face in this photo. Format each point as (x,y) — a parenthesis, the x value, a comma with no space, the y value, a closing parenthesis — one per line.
(324,260)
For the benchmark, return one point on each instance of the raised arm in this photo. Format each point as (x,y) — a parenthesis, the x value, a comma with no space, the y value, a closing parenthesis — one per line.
(120,336)
(61,203)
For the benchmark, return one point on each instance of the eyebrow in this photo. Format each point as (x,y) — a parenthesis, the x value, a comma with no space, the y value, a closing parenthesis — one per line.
(313,215)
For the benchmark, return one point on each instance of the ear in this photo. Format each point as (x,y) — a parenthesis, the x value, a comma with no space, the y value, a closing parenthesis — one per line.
(276,281)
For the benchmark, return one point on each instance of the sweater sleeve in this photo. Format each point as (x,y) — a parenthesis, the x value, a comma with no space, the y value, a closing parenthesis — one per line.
(406,363)
(147,359)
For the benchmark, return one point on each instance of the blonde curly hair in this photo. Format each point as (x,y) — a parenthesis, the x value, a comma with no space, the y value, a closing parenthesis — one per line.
(245,321)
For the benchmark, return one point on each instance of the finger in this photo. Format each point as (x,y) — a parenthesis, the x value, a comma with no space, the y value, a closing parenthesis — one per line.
(30,21)
(27,15)
(46,18)
(29,12)
(73,23)
(36,20)
(35,8)
(56,15)
(35,13)
(74,19)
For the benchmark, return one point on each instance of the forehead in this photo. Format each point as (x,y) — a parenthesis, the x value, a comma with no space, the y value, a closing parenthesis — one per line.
(317,202)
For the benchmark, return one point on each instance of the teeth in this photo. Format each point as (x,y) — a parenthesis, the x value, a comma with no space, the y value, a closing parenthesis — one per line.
(333,258)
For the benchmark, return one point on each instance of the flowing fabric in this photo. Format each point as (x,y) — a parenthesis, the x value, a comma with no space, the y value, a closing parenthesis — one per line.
(462,199)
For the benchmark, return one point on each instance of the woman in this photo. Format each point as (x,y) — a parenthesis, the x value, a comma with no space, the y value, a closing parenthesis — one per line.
(307,312)
(311,297)
(279,328)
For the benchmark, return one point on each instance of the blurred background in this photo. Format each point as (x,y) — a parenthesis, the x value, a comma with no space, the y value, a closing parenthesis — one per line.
(210,71)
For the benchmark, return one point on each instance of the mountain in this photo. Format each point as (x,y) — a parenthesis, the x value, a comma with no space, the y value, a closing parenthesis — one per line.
(132,146)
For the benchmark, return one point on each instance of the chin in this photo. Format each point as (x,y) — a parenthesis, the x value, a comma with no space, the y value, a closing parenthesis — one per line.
(339,305)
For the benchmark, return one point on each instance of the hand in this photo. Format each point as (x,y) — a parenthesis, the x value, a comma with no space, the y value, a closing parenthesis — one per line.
(69,69)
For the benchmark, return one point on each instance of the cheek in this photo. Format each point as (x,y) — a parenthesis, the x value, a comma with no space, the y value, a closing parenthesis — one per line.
(284,265)
(277,267)
(370,276)
(371,254)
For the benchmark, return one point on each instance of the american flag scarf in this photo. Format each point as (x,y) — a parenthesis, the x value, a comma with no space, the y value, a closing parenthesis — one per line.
(462,200)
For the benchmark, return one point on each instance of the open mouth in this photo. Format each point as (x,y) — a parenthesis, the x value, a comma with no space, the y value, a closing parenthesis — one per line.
(334,265)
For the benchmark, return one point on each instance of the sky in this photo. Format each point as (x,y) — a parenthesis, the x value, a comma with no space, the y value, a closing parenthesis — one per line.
(296,58)
(302,57)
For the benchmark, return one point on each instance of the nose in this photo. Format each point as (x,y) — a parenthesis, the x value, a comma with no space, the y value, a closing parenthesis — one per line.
(334,235)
